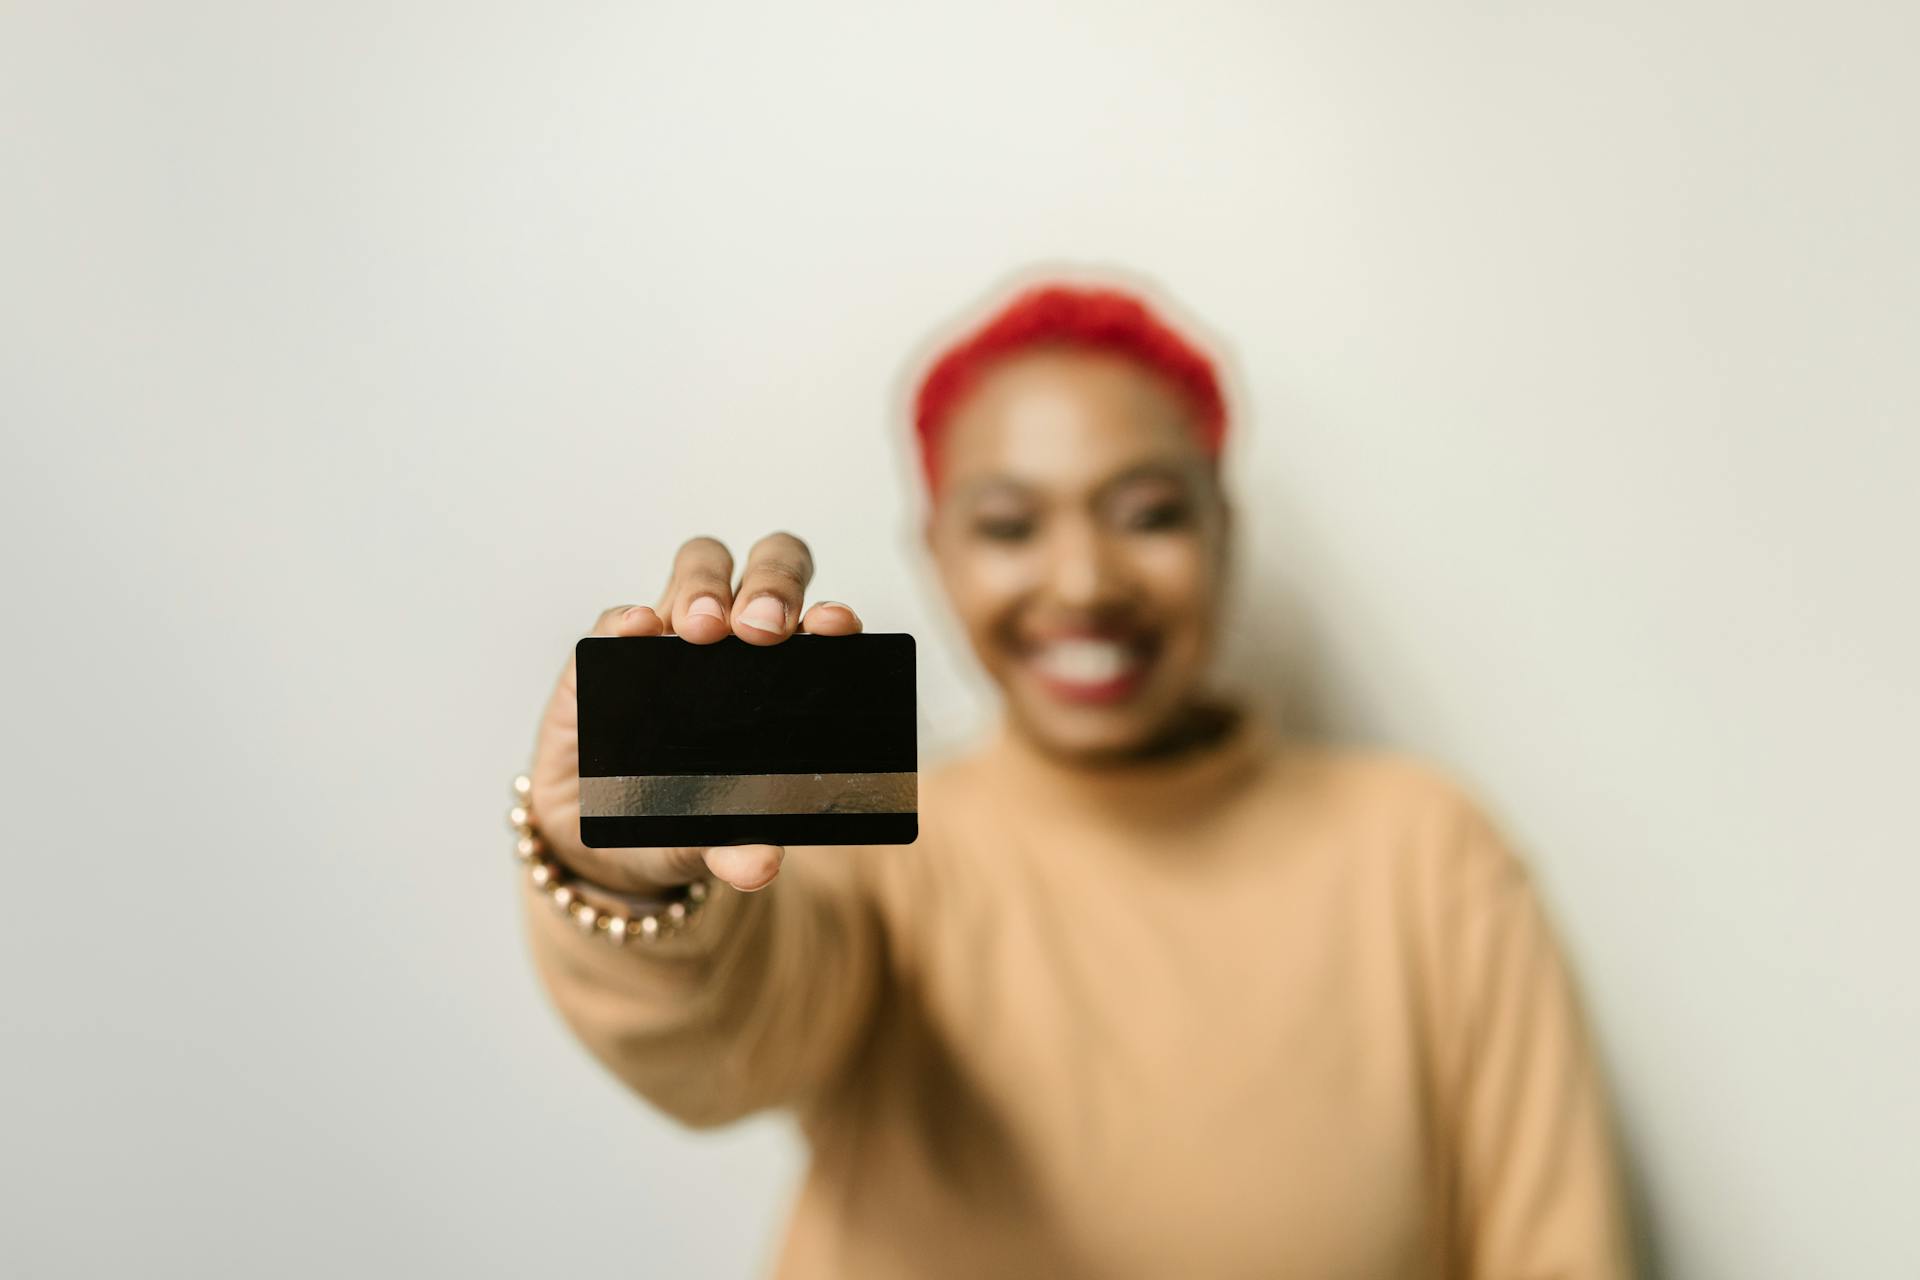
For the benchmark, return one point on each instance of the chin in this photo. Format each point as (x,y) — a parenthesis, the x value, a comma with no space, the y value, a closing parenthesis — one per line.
(1090,732)
(1090,742)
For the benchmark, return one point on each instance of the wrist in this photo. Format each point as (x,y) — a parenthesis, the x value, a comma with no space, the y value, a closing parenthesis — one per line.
(610,871)
(612,913)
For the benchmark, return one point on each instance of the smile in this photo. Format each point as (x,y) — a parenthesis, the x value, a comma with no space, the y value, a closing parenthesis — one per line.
(1091,670)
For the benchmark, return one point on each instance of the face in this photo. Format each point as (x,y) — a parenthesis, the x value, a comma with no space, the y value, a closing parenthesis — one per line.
(1081,536)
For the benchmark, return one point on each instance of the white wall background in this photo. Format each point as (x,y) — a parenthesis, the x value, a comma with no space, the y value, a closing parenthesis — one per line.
(353,355)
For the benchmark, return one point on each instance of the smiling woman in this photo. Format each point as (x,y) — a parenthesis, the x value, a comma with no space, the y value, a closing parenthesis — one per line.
(1159,991)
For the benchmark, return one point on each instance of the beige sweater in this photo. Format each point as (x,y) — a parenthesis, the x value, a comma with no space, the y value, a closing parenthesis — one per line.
(1274,1010)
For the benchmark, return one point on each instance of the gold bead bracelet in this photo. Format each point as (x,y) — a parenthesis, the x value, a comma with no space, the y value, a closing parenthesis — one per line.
(568,893)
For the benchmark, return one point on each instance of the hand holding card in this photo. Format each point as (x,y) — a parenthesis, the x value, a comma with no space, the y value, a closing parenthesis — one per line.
(699,607)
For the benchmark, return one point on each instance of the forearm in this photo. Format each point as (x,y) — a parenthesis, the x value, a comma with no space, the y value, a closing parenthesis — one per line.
(755,1004)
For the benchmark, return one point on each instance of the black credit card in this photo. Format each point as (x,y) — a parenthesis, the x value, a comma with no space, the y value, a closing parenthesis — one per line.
(809,741)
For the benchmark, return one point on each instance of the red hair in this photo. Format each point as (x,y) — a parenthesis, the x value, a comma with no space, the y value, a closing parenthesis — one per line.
(1060,315)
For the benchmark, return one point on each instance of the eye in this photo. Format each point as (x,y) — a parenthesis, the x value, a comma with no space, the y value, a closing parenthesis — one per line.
(1003,528)
(1161,515)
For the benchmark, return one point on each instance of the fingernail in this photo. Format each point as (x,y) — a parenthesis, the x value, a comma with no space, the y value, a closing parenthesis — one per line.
(634,614)
(765,613)
(706,607)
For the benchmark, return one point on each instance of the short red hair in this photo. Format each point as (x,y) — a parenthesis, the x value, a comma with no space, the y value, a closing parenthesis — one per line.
(1061,315)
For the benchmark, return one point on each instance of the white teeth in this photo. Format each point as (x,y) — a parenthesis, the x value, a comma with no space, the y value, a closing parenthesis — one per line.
(1085,661)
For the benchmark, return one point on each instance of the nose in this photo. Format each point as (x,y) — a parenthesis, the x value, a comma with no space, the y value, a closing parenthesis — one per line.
(1084,571)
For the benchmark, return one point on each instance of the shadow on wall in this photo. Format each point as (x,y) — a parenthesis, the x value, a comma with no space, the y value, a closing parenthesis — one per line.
(1274,655)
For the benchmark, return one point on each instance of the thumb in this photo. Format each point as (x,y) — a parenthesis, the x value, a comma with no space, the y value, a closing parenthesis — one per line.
(746,866)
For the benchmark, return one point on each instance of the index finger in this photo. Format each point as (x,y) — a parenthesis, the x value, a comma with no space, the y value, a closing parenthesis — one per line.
(695,603)
(767,605)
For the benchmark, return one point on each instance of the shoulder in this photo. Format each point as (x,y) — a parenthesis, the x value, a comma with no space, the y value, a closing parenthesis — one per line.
(1432,826)
(1393,784)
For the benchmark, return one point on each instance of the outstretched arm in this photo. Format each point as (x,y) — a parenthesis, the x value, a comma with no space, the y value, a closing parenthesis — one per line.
(768,989)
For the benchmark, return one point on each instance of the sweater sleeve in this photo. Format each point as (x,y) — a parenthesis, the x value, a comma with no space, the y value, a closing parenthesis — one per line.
(1535,1174)
(758,1003)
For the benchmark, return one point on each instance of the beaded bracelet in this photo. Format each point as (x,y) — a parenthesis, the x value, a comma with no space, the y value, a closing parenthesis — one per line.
(564,889)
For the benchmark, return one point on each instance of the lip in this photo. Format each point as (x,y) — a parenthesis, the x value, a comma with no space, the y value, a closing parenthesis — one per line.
(1118,689)
(1131,637)
(1144,646)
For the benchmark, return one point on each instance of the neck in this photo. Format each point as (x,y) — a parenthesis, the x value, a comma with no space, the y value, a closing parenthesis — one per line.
(1184,771)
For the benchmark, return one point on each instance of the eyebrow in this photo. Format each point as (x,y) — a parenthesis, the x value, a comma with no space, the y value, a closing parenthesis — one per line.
(1155,469)
(1152,469)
